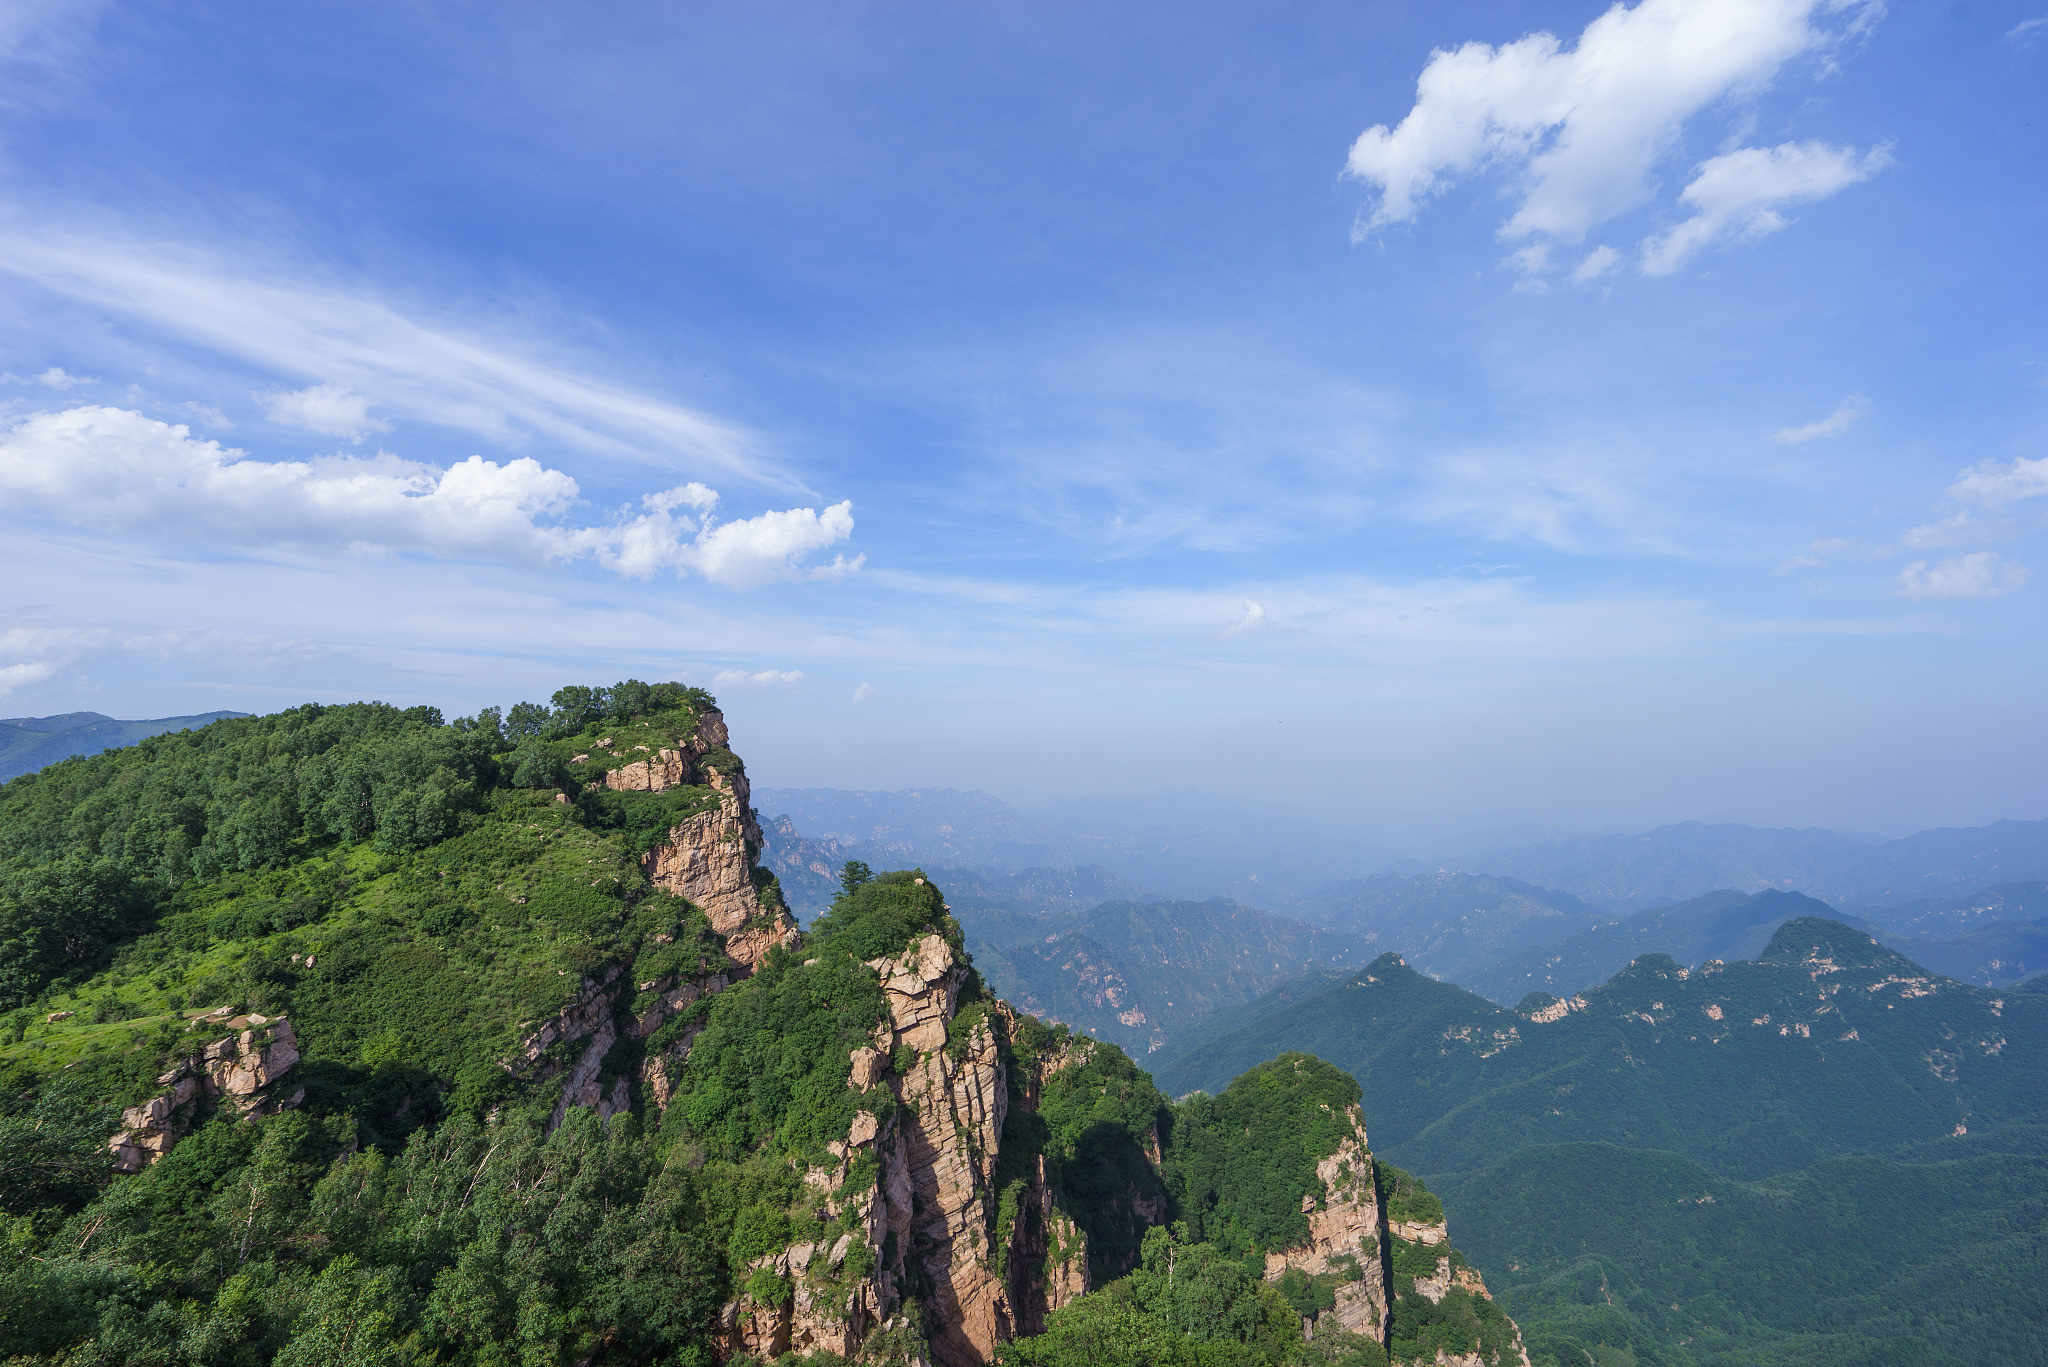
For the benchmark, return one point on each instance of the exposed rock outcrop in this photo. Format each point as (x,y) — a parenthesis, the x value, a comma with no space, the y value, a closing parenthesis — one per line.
(1452,1272)
(241,1070)
(919,1188)
(710,858)
(1344,1221)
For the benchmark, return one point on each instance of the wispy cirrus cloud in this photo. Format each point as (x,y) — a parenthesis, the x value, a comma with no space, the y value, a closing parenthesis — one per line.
(117,470)
(352,343)
(1846,415)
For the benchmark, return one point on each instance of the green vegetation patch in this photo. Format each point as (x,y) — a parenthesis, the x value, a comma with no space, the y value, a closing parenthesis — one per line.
(1239,1164)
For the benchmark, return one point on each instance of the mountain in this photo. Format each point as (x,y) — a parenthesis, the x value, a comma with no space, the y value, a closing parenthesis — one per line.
(31,743)
(1447,923)
(353,1035)
(1721,925)
(1138,973)
(1804,1157)
(1733,925)
(1960,915)
(1184,845)
(1676,863)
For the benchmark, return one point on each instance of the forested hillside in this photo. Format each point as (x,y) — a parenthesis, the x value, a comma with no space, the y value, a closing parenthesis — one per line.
(352,1035)
(1799,1158)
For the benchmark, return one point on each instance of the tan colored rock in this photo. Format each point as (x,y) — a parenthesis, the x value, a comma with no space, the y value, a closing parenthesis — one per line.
(1344,1234)
(869,1067)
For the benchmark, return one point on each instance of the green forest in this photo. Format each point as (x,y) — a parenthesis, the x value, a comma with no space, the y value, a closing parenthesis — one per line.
(412,896)
(1826,1156)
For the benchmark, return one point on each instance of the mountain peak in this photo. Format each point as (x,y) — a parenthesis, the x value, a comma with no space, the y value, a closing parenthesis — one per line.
(1818,939)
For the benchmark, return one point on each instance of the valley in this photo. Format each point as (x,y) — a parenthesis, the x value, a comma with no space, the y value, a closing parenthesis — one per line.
(356,1034)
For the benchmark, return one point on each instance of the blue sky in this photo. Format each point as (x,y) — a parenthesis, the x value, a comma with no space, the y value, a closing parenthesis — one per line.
(1434,415)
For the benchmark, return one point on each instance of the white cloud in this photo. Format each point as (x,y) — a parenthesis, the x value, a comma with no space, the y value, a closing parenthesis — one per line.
(1598,262)
(2026,30)
(31,654)
(1989,485)
(1798,562)
(1981,574)
(1989,482)
(1254,619)
(1737,195)
(418,370)
(864,692)
(1586,126)
(757,549)
(121,471)
(739,681)
(1833,425)
(55,378)
(333,410)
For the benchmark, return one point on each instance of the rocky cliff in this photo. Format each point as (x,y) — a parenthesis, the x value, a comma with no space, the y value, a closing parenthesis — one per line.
(711,857)
(1346,1236)
(918,1175)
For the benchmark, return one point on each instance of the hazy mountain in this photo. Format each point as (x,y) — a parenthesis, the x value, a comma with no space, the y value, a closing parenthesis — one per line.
(31,743)
(1187,845)
(1720,925)
(1138,973)
(1956,915)
(1447,924)
(1675,863)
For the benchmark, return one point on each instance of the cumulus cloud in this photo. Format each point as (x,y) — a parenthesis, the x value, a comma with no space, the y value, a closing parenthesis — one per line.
(121,471)
(1584,127)
(1833,425)
(1990,482)
(1981,574)
(332,410)
(55,378)
(865,692)
(1737,196)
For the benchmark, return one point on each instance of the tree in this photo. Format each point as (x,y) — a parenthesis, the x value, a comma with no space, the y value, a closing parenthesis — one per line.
(854,875)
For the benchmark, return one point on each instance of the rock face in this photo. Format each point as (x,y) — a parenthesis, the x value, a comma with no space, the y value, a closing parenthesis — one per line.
(710,857)
(1452,1272)
(921,1188)
(594,1015)
(241,1070)
(1344,1223)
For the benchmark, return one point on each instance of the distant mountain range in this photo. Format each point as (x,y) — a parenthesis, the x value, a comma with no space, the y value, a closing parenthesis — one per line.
(31,743)
(1190,846)
(1831,1136)
(1676,863)
(1137,973)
